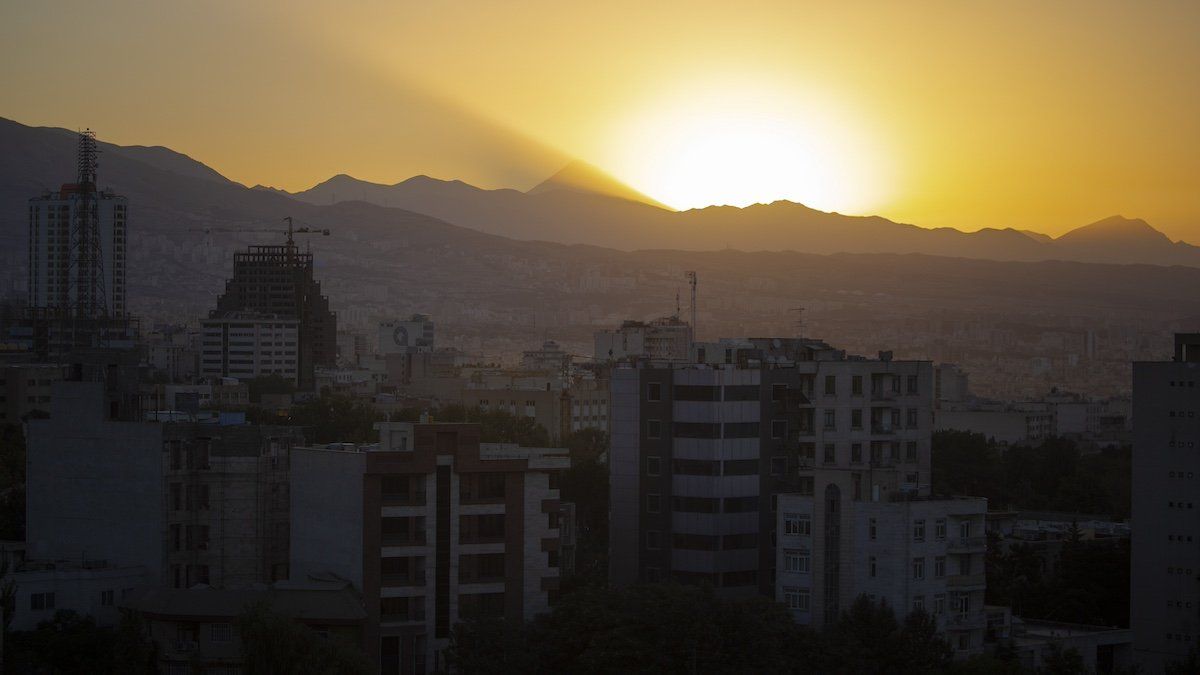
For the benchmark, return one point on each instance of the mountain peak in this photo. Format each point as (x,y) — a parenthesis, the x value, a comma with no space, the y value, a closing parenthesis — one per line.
(579,176)
(1115,228)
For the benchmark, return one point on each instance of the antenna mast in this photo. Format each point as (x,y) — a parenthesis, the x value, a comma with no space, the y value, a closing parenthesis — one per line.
(799,320)
(691,277)
(88,261)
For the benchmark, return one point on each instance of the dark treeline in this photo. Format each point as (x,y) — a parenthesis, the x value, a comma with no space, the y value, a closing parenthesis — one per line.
(670,628)
(1052,476)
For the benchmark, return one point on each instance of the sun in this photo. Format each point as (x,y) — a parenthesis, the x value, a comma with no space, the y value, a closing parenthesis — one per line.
(743,145)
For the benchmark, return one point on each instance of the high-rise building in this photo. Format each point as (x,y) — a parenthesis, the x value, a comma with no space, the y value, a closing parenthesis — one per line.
(278,281)
(700,451)
(247,345)
(1165,558)
(667,339)
(434,527)
(77,240)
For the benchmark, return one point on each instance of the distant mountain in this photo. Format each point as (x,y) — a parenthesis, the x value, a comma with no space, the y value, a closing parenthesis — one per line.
(552,212)
(575,206)
(579,176)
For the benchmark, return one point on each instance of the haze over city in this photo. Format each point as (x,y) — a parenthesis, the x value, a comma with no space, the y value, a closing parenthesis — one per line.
(471,337)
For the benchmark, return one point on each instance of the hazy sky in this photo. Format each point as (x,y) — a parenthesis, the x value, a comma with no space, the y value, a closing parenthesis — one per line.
(1040,115)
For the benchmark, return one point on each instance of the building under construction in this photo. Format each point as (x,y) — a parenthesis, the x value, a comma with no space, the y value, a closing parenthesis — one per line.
(278,281)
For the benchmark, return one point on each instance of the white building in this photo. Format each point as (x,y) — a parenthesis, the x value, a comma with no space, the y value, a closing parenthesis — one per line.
(407,337)
(1165,558)
(58,268)
(915,553)
(249,345)
(665,339)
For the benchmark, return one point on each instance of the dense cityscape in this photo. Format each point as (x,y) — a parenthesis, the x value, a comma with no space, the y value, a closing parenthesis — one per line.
(477,338)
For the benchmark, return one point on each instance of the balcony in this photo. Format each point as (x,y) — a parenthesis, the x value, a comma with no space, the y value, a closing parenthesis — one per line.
(967,621)
(880,428)
(403,539)
(883,395)
(402,580)
(966,545)
(967,581)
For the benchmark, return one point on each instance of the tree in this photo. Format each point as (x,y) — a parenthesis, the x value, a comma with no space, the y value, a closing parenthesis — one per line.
(68,643)
(1059,661)
(587,445)
(585,484)
(498,426)
(273,644)
(12,482)
(273,383)
(333,418)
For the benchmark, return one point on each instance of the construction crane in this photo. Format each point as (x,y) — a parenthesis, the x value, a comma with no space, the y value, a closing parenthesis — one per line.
(290,232)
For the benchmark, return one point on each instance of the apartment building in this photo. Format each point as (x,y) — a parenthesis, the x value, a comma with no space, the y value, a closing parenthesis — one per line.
(434,527)
(226,503)
(700,451)
(26,388)
(665,339)
(1165,559)
(913,552)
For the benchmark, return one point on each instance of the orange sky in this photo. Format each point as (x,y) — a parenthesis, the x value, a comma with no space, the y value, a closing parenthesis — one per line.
(1027,114)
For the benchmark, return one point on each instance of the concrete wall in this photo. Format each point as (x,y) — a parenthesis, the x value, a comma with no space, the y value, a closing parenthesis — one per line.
(327,513)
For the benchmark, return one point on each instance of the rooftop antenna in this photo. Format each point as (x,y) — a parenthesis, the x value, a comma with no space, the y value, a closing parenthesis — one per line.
(799,320)
(691,277)
(677,311)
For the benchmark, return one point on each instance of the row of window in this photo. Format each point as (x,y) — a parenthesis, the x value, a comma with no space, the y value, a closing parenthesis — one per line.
(714,393)
(1183,383)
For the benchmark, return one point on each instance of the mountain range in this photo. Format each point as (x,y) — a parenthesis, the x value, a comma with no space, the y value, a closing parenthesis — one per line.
(605,213)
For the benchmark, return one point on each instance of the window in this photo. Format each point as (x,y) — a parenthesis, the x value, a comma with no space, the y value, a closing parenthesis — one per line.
(779,429)
(220,632)
(654,391)
(856,453)
(830,419)
(856,418)
(910,451)
(871,568)
(653,539)
(653,466)
(778,392)
(806,485)
(797,561)
(918,568)
(939,567)
(796,598)
(872,530)
(919,603)
(106,598)
(919,530)
(40,601)
(939,603)
(964,529)
(653,429)
(778,466)
(856,385)
(654,503)
(797,524)
(830,453)
(830,385)
(911,418)
(912,384)
(939,528)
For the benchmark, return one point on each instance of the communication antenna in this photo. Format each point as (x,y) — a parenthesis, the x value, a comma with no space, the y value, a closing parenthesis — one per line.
(88,261)
(677,310)
(799,320)
(691,277)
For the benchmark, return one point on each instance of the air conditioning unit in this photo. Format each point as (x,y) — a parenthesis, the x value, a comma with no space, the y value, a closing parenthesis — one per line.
(185,646)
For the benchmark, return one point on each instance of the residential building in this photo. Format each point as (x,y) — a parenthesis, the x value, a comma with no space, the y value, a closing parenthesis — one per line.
(700,451)
(196,631)
(664,339)
(434,527)
(77,244)
(912,552)
(248,345)
(416,334)
(26,388)
(226,503)
(1164,595)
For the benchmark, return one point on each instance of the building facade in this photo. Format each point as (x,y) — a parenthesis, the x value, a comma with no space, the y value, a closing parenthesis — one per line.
(700,451)
(77,244)
(1165,558)
(278,281)
(246,345)
(434,527)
